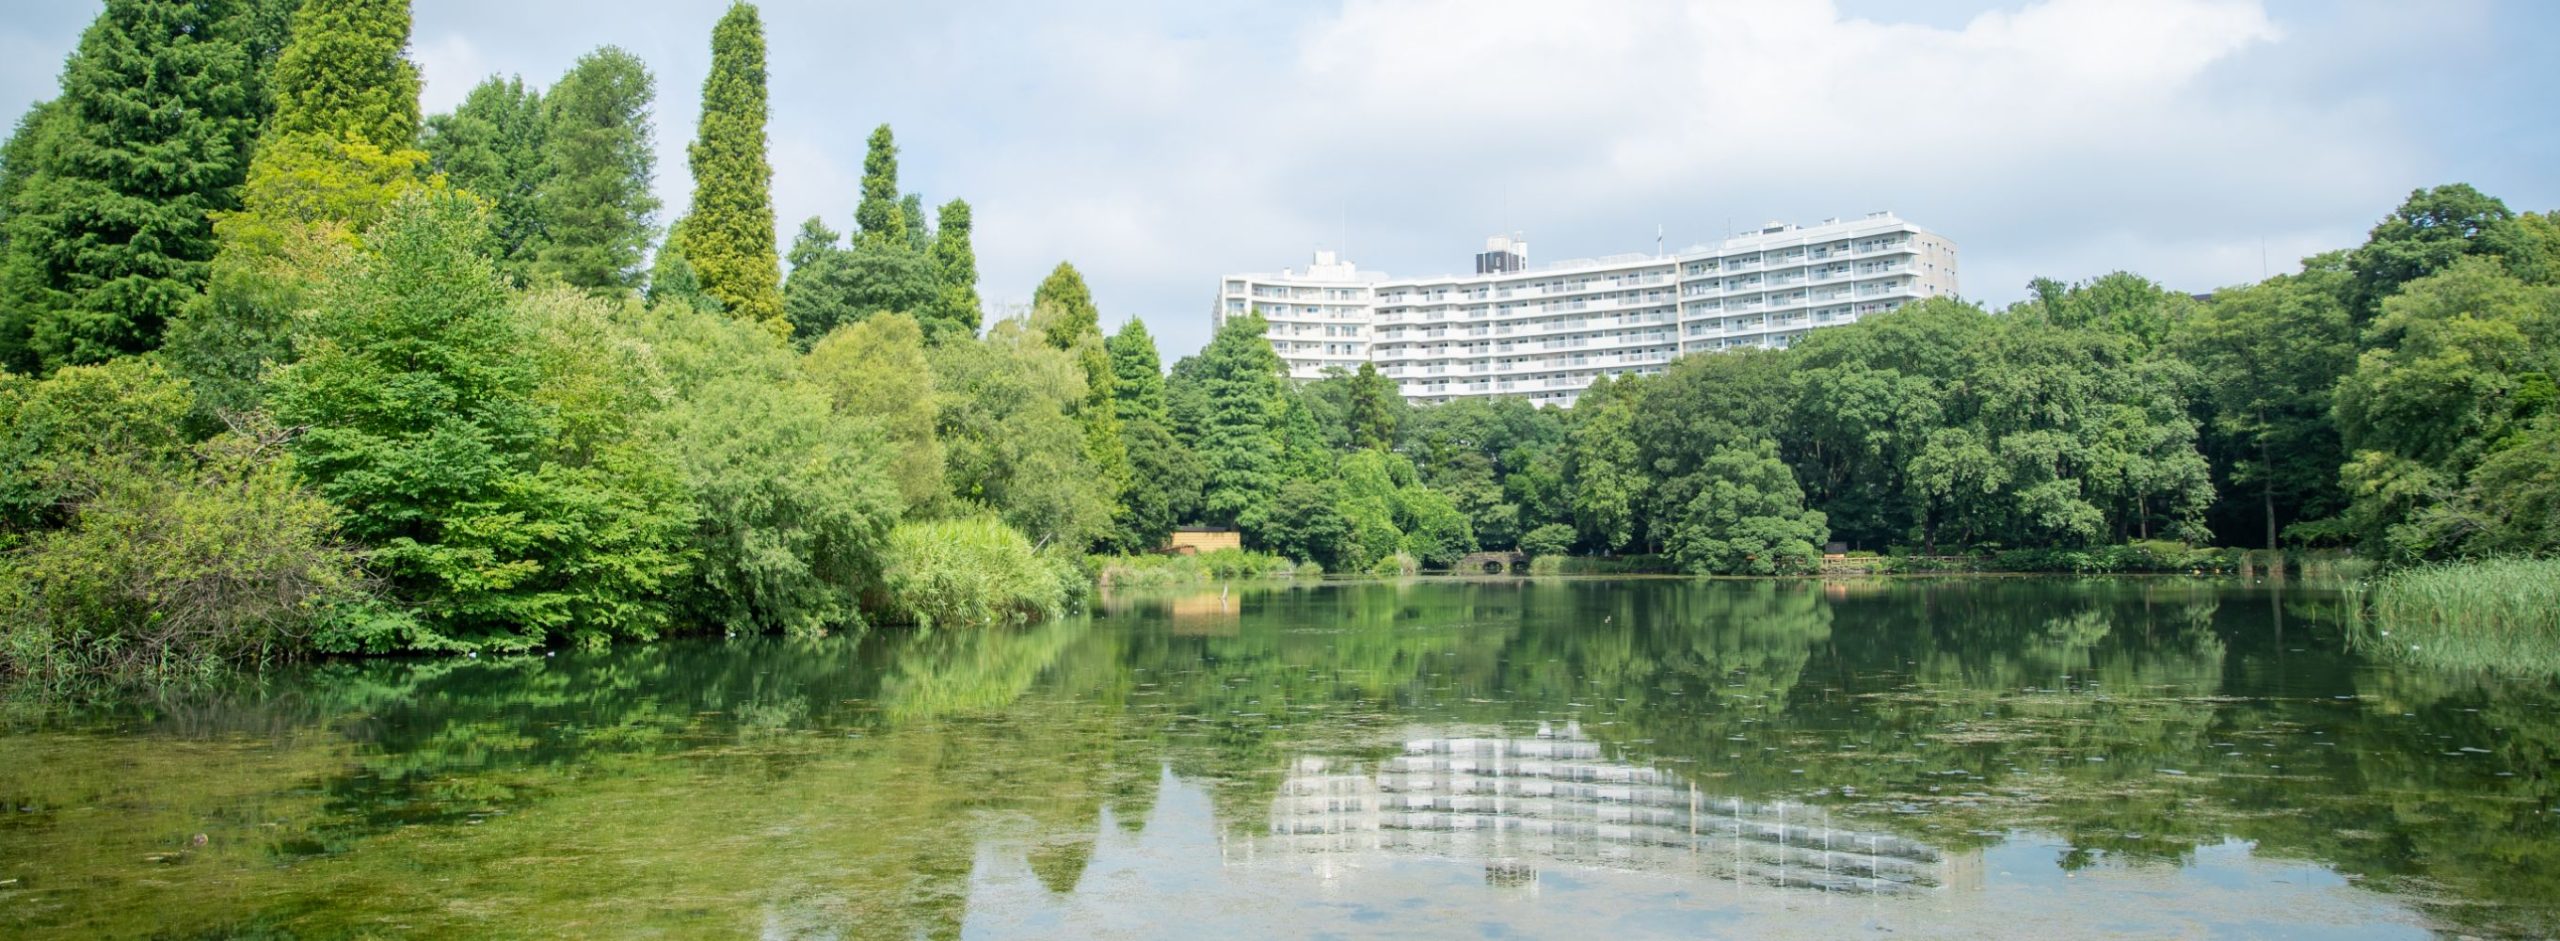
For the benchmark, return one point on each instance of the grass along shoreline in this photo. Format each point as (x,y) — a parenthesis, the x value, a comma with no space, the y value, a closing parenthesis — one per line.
(2496,615)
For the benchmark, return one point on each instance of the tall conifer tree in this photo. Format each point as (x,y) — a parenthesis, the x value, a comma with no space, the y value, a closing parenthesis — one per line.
(346,73)
(596,202)
(1068,320)
(340,149)
(878,218)
(108,227)
(728,235)
(493,145)
(955,263)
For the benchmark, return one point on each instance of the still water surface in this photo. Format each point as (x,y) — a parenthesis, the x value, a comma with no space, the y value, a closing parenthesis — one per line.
(1541,759)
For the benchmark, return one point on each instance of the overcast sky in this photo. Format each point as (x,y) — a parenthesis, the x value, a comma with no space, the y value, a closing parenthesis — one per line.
(1159,144)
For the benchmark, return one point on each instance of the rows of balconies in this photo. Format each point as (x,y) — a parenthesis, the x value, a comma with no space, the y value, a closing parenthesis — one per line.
(1391,313)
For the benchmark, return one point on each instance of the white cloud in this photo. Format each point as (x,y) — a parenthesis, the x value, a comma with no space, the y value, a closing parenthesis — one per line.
(449,66)
(2066,137)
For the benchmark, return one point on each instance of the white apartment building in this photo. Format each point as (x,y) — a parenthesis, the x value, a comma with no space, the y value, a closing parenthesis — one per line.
(1547,332)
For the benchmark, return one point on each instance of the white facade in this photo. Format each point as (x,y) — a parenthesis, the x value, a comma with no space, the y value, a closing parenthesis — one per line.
(1553,800)
(1547,332)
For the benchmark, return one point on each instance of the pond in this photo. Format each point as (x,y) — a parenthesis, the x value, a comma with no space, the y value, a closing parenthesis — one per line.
(1464,758)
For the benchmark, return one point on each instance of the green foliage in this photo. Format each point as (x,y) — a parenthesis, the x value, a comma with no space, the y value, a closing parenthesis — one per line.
(2459,373)
(1302,522)
(2270,356)
(728,235)
(672,280)
(494,145)
(1552,539)
(111,187)
(1235,384)
(1605,462)
(1062,312)
(2429,231)
(972,571)
(2122,304)
(1162,571)
(955,264)
(171,567)
(2496,615)
(832,286)
(1163,487)
(1500,460)
(595,202)
(877,369)
(503,509)
(346,76)
(1748,518)
(1073,316)
(1372,413)
(877,219)
(1008,424)
(919,229)
(1137,375)
(1435,531)
(71,433)
(792,501)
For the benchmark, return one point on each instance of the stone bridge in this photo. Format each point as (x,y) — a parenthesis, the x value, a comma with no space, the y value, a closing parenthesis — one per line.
(1492,563)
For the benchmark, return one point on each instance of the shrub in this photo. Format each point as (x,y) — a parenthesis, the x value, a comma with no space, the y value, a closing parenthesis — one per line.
(166,571)
(1550,539)
(1547,565)
(1399,565)
(972,571)
(1153,571)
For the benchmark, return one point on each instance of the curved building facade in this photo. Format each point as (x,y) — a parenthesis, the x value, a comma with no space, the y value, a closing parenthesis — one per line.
(1546,332)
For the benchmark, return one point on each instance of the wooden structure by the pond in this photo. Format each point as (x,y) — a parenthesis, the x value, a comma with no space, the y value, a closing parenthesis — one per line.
(1555,800)
(1193,540)
(1492,563)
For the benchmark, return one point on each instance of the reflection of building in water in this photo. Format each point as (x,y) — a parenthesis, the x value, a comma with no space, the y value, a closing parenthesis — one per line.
(1521,803)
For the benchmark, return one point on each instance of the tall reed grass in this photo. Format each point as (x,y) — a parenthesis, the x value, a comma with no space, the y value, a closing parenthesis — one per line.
(1156,571)
(2500,615)
(958,572)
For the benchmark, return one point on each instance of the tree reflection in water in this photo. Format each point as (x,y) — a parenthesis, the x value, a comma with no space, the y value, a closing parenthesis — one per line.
(2133,727)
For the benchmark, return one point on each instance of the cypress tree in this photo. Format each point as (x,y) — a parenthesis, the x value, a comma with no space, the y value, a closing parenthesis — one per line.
(339,149)
(494,145)
(108,231)
(1069,321)
(728,236)
(31,146)
(813,297)
(1373,420)
(595,201)
(919,232)
(878,218)
(1073,315)
(346,74)
(955,263)
(1137,375)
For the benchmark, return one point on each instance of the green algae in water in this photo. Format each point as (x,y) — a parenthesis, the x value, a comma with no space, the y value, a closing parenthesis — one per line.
(2013,757)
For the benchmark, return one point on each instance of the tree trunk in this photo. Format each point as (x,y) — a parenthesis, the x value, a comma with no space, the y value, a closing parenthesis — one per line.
(2267,490)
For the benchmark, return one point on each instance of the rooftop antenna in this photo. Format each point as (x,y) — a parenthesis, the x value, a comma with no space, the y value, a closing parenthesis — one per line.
(2262,258)
(1657,240)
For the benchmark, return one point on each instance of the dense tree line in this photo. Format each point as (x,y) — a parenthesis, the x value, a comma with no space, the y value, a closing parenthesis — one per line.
(418,383)
(358,379)
(2396,397)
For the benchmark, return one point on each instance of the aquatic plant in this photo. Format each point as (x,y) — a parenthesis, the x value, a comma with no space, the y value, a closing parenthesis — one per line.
(2499,615)
(971,571)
